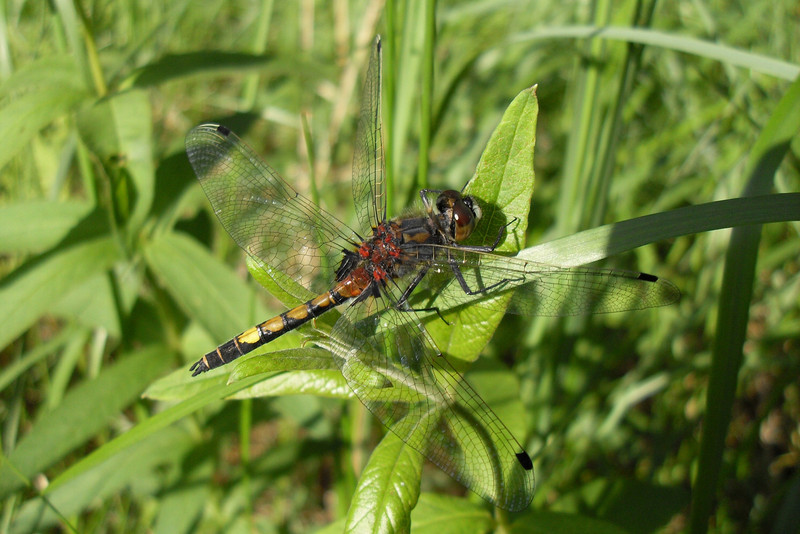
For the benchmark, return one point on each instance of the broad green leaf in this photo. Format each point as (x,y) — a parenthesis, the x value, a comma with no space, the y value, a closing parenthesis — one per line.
(443,514)
(119,130)
(503,186)
(323,383)
(205,288)
(83,412)
(304,359)
(29,292)
(39,225)
(180,384)
(306,370)
(504,180)
(388,489)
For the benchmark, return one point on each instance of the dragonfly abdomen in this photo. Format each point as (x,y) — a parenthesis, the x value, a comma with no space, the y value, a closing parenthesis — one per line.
(273,328)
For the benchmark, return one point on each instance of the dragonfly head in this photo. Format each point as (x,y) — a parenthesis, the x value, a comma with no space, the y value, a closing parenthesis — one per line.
(458,214)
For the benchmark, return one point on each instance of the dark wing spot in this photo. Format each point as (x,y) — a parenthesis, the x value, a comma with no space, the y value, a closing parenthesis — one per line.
(525,460)
(648,277)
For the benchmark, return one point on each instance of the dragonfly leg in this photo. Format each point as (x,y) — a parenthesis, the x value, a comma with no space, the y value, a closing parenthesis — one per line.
(490,248)
(402,303)
(465,287)
(423,194)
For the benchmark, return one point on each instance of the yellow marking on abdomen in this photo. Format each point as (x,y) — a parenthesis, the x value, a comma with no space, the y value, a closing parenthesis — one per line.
(273,325)
(323,301)
(299,313)
(250,336)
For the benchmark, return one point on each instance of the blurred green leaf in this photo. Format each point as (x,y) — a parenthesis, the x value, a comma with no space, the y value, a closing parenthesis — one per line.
(638,507)
(500,389)
(148,427)
(30,291)
(119,130)
(56,71)
(206,289)
(180,506)
(143,464)
(83,412)
(38,225)
(443,514)
(541,522)
(92,304)
(23,116)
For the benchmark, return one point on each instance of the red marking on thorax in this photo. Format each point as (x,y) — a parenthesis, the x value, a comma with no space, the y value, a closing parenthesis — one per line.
(381,251)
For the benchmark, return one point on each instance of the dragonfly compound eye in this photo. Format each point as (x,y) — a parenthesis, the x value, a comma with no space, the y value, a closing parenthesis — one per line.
(464,219)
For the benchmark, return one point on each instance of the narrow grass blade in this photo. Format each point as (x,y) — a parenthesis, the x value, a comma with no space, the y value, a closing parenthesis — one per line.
(735,295)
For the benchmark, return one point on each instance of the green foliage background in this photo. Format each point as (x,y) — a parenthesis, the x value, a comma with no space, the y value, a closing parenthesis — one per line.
(115,271)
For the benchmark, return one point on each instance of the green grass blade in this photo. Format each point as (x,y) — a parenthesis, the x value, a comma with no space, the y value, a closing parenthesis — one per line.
(409,58)
(612,239)
(690,45)
(426,95)
(175,67)
(735,296)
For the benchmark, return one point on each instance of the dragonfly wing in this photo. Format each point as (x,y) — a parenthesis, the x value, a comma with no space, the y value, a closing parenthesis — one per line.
(396,370)
(536,289)
(369,188)
(276,226)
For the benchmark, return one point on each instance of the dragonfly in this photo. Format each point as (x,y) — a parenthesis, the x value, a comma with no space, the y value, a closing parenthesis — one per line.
(388,280)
